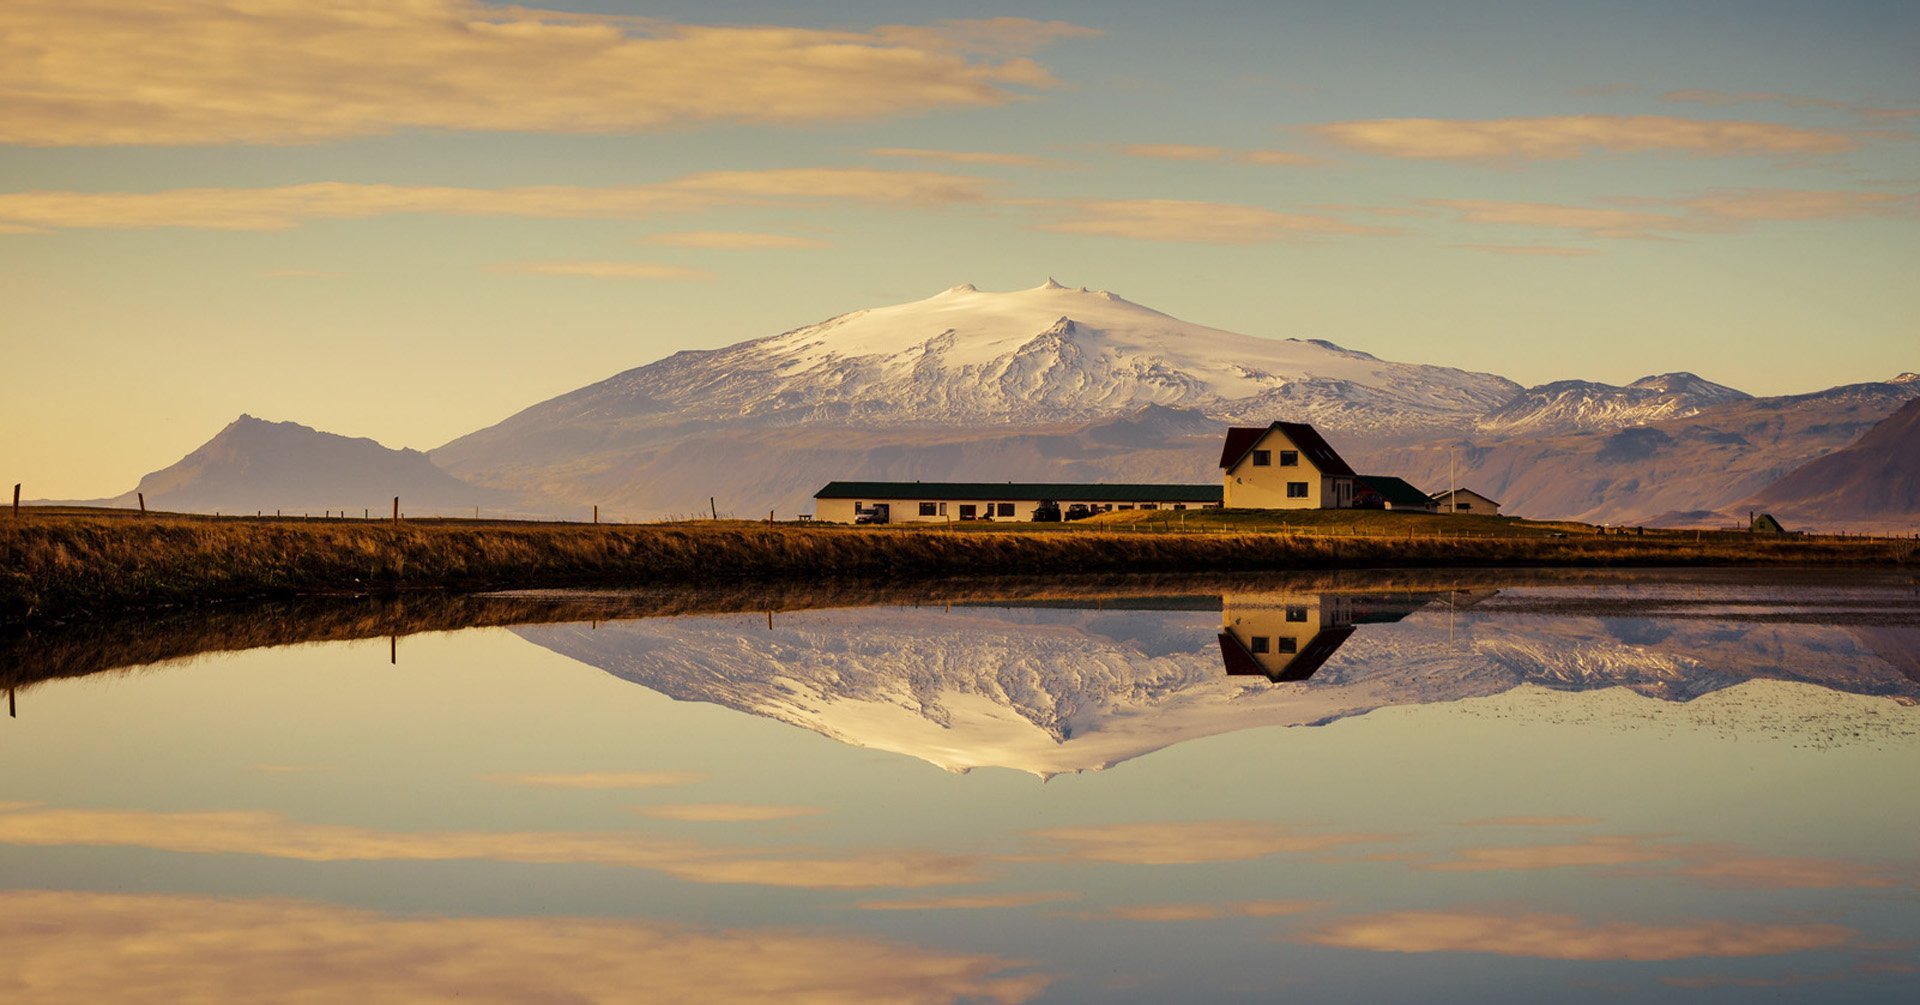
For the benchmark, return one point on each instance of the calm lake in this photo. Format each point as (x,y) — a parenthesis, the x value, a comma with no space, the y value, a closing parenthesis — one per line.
(1690,786)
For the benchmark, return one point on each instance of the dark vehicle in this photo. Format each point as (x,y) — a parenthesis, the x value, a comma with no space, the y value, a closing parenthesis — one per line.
(877,513)
(1047,512)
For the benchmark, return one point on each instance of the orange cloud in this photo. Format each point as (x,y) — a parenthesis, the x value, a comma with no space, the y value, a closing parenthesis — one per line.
(275,836)
(287,206)
(1558,137)
(731,240)
(606,270)
(1596,221)
(1174,151)
(285,71)
(1565,937)
(1195,222)
(1185,152)
(973,903)
(1717,212)
(1208,912)
(100,947)
(1532,250)
(725,812)
(1193,841)
(1717,864)
(600,779)
(966,157)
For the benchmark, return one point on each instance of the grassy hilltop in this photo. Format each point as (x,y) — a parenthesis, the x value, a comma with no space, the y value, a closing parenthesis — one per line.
(61,564)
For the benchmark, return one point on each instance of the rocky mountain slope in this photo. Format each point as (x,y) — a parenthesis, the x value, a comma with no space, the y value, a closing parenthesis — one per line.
(257,465)
(1660,472)
(1874,480)
(1566,406)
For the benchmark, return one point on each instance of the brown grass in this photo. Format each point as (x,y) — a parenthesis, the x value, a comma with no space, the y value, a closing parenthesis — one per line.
(68,564)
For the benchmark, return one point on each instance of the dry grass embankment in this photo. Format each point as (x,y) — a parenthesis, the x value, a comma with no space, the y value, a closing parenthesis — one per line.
(65,564)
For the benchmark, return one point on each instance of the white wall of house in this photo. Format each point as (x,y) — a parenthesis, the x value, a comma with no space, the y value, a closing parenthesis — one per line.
(1466,501)
(1277,474)
(938,510)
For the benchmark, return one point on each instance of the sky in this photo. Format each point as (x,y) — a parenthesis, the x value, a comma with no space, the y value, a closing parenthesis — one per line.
(409,219)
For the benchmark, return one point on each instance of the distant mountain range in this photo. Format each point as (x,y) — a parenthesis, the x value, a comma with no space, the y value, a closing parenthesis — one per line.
(254,465)
(1048,383)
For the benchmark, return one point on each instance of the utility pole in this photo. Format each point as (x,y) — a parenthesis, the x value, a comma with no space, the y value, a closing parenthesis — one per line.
(1453,488)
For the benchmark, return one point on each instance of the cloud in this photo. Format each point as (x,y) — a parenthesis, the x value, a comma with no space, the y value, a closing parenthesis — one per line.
(1174,151)
(287,71)
(1717,212)
(1185,152)
(1565,937)
(1705,862)
(1206,912)
(1709,96)
(1193,841)
(98,947)
(732,240)
(273,835)
(972,903)
(1557,137)
(1535,250)
(286,206)
(1538,821)
(599,779)
(966,157)
(606,270)
(1194,222)
(725,812)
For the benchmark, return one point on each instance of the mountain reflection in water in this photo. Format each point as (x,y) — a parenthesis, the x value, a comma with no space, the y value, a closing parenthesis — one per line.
(1065,686)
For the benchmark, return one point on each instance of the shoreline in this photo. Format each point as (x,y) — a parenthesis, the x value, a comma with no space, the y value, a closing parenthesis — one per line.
(64,565)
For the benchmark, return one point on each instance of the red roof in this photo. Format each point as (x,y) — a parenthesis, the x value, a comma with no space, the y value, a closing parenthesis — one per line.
(1241,439)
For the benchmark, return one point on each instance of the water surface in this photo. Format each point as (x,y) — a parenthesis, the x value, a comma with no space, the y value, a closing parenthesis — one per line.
(1408,788)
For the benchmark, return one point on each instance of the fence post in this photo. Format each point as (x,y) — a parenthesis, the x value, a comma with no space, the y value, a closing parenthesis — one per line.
(596,513)
(16,500)
(143,501)
(396,511)
(715,507)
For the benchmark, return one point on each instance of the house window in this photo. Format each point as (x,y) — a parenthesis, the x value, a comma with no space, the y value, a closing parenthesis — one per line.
(1296,614)
(1461,505)
(1287,644)
(1002,509)
(1289,458)
(1149,505)
(1179,505)
(1126,505)
(943,509)
(1296,490)
(1262,458)
(969,511)
(927,509)
(1258,644)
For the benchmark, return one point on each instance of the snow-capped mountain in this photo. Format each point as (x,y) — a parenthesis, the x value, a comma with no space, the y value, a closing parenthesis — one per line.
(1566,406)
(876,393)
(1050,689)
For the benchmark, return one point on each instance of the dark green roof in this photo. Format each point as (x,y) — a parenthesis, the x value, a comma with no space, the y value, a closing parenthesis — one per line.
(992,491)
(1396,491)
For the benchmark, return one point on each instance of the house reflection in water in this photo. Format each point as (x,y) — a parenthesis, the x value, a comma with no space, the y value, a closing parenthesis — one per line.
(1289,636)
